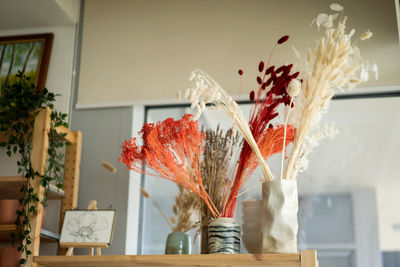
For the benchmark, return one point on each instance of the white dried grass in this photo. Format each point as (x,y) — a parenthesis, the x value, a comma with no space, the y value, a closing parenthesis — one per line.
(334,64)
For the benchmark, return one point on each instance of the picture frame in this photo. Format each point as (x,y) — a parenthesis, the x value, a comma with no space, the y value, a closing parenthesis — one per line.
(29,54)
(92,227)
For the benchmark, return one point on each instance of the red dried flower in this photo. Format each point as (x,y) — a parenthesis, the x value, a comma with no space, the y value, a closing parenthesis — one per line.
(261,66)
(172,150)
(265,110)
(252,96)
(269,70)
(283,39)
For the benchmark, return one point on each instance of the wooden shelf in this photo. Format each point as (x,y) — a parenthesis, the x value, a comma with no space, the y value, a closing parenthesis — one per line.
(5,231)
(70,137)
(10,186)
(48,236)
(45,235)
(266,260)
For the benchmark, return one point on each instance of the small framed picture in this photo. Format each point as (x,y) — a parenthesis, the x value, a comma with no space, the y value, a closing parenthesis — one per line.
(88,226)
(27,54)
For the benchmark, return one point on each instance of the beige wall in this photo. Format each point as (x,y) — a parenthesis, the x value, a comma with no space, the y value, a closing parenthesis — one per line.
(143,50)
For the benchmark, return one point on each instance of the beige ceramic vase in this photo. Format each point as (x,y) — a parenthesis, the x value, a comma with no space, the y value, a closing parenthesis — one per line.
(279,216)
(270,225)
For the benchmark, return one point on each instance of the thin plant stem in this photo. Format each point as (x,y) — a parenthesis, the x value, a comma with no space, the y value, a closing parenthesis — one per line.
(284,137)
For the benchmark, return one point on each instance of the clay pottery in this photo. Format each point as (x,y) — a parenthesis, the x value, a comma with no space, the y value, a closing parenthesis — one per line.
(8,209)
(10,257)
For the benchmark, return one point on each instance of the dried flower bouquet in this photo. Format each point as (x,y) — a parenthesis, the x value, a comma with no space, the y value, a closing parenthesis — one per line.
(171,150)
(334,64)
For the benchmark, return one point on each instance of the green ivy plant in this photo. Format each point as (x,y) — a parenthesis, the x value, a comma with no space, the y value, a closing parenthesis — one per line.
(19,104)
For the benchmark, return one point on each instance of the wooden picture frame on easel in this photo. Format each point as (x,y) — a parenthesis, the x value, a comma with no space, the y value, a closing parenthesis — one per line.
(91,228)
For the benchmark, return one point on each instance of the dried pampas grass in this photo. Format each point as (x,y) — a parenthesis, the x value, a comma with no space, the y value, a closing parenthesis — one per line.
(186,209)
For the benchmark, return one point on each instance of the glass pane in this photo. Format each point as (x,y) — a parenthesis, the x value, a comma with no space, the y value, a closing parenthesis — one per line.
(336,259)
(333,212)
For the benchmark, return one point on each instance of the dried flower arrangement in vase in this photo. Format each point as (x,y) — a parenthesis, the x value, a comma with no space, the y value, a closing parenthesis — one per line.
(173,150)
(333,64)
(218,151)
(260,135)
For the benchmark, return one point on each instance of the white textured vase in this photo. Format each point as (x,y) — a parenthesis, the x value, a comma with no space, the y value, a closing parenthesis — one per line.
(279,217)
(224,236)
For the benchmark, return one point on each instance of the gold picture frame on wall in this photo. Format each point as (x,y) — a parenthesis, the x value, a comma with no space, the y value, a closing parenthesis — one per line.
(29,54)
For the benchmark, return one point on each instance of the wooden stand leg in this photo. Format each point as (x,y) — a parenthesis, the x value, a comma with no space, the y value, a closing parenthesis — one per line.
(309,258)
(98,251)
(70,252)
(91,251)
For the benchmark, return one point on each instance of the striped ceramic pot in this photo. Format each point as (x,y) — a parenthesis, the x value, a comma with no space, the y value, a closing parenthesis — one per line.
(224,236)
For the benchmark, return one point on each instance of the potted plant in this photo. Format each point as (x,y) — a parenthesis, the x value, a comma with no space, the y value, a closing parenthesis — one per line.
(19,104)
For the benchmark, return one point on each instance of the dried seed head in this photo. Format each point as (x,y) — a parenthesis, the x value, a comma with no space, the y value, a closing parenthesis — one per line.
(354,81)
(252,95)
(336,7)
(351,70)
(269,70)
(192,76)
(283,39)
(192,95)
(261,66)
(366,35)
(144,193)
(202,106)
(294,88)
(108,166)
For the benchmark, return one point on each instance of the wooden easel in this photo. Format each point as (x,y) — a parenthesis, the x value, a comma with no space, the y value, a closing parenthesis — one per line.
(71,245)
